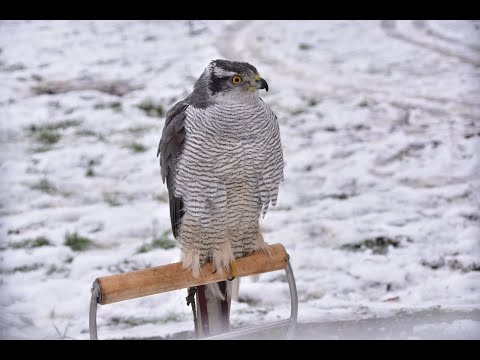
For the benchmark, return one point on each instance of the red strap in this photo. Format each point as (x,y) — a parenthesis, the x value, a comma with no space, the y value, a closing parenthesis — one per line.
(224,306)
(202,304)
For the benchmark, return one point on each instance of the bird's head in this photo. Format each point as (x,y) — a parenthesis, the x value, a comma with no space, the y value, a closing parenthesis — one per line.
(226,81)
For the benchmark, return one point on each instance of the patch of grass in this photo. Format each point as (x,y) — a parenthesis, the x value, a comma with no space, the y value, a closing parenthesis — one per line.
(91,163)
(86,132)
(77,242)
(143,249)
(379,245)
(297,112)
(340,196)
(330,128)
(90,133)
(363,103)
(304,46)
(47,137)
(112,87)
(114,105)
(137,147)
(45,186)
(151,109)
(48,134)
(452,264)
(52,269)
(112,198)
(127,265)
(54,126)
(136,321)
(31,243)
(27,268)
(127,322)
(161,242)
(160,197)
(117,198)
(139,130)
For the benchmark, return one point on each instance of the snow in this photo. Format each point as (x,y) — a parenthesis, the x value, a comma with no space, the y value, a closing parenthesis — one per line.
(380,125)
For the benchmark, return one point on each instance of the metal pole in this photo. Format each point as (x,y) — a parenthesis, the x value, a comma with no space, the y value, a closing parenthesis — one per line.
(291,322)
(93,310)
(293,300)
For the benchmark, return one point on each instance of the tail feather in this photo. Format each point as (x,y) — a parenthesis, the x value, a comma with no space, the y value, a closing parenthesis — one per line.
(215,290)
(233,288)
(191,260)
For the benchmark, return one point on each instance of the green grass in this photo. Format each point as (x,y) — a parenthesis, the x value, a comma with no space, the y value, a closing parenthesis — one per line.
(117,198)
(151,109)
(160,197)
(52,269)
(136,321)
(127,265)
(90,171)
(90,133)
(127,322)
(86,132)
(49,134)
(162,242)
(139,130)
(45,186)
(112,198)
(379,245)
(31,243)
(304,46)
(114,105)
(54,126)
(27,268)
(47,137)
(77,242)
(137,147)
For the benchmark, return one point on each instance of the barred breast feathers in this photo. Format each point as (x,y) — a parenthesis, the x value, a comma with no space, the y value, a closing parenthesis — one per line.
(223,166)
(224,142)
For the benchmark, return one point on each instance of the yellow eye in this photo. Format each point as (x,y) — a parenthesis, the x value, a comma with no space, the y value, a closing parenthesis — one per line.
(237,79)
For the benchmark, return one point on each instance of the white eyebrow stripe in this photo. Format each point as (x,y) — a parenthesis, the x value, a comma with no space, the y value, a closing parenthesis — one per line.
(219,72)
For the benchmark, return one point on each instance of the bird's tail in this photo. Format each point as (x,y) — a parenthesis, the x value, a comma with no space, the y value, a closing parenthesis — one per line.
(232,290)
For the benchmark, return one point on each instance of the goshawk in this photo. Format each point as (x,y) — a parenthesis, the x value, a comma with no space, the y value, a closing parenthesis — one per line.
(221,155)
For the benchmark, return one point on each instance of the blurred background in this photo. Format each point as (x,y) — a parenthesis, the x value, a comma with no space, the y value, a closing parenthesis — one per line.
(379,209)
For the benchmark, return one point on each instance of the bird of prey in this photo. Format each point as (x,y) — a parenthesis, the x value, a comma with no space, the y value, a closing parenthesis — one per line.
(221,155)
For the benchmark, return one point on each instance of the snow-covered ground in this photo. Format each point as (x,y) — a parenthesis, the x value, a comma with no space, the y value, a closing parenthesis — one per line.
(379,210)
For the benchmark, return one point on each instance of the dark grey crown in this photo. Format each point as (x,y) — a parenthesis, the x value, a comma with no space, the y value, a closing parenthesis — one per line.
(235,66)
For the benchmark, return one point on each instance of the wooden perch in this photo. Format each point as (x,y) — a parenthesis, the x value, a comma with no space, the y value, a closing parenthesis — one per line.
(170,277)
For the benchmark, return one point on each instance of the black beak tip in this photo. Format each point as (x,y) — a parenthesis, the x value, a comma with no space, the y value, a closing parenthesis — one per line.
(263,84)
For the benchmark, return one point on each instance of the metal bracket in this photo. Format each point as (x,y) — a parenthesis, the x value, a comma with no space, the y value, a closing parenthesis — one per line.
(291,322)
(96,298)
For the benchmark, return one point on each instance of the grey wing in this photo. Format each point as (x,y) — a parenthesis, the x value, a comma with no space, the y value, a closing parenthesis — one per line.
(272,173)
(169,148)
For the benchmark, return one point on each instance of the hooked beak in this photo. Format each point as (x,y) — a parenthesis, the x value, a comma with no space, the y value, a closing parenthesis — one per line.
(260,83)
(263,84)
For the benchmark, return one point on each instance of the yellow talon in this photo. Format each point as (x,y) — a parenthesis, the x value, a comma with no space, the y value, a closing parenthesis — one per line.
(233,270)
